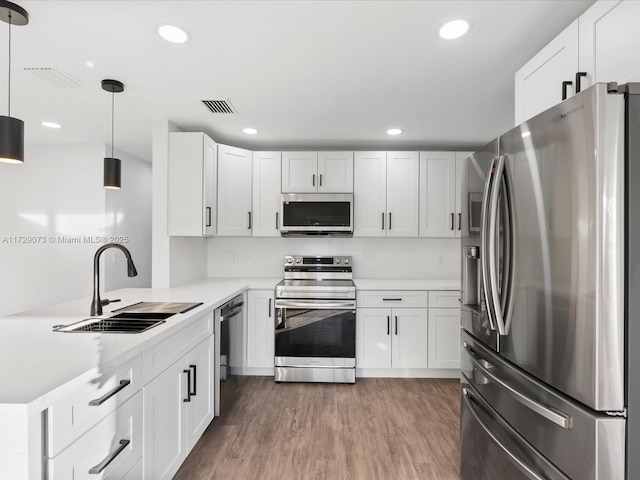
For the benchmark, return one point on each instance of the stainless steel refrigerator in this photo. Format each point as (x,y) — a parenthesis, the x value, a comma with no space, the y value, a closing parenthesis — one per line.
(551,295)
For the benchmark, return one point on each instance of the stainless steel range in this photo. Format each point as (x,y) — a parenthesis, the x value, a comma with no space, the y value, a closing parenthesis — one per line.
(315,330)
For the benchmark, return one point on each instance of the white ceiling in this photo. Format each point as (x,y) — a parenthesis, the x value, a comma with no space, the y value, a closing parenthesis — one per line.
(306,74)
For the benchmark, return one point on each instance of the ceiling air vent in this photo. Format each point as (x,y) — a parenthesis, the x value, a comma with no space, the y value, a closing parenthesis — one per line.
(54,76)
(219,106)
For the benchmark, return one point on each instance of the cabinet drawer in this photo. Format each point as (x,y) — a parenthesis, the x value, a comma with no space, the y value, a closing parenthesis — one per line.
(118,437)
(71,417)
(392,298)
(444,299)
(160,356)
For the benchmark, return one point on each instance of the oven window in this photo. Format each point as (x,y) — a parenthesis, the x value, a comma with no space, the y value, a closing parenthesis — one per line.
(314,214)
(316,333)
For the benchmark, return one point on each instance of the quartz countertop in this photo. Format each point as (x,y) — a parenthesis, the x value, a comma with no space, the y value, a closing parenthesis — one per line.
(36,362)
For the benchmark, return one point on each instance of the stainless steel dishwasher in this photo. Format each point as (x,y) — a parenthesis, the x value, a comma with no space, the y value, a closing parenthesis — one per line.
(229,339)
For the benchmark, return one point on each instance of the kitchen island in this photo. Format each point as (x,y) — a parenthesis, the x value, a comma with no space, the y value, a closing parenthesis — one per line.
(40,368)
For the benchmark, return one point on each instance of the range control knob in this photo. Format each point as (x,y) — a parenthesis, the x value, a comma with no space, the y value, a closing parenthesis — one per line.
(298,259)
(338,261)
(346,261)
(289,259)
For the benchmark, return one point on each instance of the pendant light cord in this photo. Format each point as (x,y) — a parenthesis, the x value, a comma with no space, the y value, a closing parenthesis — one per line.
(9,82)
(113,95)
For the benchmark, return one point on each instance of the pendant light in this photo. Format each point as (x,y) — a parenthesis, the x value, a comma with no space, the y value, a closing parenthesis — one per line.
(11,129)
(112,165)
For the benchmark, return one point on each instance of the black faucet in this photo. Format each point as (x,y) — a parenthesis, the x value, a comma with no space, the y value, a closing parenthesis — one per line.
(96,303)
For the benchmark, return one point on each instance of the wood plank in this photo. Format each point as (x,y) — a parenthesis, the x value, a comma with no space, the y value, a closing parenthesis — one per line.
(379,428)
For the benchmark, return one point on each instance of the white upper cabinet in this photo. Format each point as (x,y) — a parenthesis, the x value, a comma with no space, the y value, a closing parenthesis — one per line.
(299,172)
(600,46)
(266,193)
(335,172)
(438,214)
(234,191)
(538,84)
(192,184)
(610,42)
(313,172)
(461,186)
(370,194)
(402,194)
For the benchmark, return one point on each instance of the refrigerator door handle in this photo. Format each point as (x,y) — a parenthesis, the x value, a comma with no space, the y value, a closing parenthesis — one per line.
(528,471)
(559,418)
(484,256)
(509,264)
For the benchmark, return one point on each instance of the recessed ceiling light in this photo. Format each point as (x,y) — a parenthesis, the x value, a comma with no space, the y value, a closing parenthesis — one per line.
(90,63)
(394,131)
(454,29)
(51,125)
(250,131)
(173,34)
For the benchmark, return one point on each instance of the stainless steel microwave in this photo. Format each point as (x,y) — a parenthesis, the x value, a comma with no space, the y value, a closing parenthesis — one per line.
(317,214)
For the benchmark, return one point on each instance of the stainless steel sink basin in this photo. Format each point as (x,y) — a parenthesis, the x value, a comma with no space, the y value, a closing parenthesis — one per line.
(122,324)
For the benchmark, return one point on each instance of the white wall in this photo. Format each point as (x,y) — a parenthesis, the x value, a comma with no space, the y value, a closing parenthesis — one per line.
(372,257)
(57,197)
(128,215)
(176,260)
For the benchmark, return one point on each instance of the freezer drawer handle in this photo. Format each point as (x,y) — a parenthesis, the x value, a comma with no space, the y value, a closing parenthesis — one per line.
(467,396)
(99,401)
(109,458)
(559,418)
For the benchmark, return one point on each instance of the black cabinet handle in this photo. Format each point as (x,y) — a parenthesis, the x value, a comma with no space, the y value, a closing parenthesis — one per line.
(194,393)
(277,225)
(382,220)
(122,444)
(396,318)
(564,89)
(453,220)
(320,179)
(392,299)
(459,221)
(269,308)
(388,324)
(249,220)
(579,75)
(188,399)
(99,401)
(313,180)
(208,216)
(389,220)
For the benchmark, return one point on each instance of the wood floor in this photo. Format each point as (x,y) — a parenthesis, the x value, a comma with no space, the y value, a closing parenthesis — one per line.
(396,429)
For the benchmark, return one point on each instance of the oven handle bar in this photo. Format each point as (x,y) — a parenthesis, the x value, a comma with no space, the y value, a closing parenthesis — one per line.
(316,304)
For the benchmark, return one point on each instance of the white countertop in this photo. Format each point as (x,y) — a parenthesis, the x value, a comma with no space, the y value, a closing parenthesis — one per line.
(36,362)
(405,284)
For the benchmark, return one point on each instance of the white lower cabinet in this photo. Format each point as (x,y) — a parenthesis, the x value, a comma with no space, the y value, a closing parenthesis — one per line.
(260,331)
(112,449)
(178,406)
(444,329)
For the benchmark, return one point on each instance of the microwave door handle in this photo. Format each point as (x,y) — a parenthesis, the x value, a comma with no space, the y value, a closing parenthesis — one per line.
(484,256)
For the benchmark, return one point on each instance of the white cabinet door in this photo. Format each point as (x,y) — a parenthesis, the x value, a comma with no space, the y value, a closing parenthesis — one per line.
(461,186)
(260,329)
(538,84)
(267,177)
(610,42)
(409,337)
(402,194)
(335,172)
(165,441)
(444,338)
(234,191)
(192,184)
(299,172)
(438,216)
(373,336)
(199,411)
(370,194)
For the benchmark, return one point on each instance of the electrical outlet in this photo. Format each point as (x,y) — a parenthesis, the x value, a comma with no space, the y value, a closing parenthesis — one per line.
(232,257)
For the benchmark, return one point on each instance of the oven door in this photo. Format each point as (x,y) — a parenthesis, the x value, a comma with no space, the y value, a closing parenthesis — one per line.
(315,333)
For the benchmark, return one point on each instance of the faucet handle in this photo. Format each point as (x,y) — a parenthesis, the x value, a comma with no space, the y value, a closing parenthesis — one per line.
(106,301)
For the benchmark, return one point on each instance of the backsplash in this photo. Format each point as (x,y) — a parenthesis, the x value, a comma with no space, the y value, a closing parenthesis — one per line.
(424,258)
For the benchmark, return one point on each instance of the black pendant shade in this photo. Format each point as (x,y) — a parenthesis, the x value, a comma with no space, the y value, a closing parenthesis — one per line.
(12,129)
(112,165)
(112,172)
(11,140)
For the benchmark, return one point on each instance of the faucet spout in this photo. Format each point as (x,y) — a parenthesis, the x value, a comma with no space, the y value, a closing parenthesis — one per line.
(96,302)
